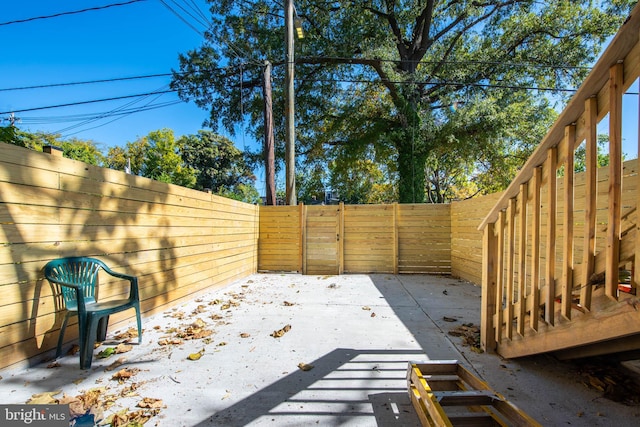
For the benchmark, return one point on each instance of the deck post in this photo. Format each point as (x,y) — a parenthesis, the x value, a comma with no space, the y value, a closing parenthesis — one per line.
(489,279)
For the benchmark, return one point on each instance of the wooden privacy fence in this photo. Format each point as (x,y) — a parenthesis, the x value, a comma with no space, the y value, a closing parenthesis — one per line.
(391,238)
(180,242)
(548,235)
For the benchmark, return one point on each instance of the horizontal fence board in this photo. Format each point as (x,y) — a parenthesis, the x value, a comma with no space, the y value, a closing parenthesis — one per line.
(178,241)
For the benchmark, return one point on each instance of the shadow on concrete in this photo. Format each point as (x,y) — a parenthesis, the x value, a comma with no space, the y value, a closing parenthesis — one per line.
(346,386)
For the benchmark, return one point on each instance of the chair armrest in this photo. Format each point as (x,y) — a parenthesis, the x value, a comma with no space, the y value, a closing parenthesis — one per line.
(133,280)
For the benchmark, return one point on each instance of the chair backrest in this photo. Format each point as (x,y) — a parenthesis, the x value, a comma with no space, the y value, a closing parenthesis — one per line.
(80,271)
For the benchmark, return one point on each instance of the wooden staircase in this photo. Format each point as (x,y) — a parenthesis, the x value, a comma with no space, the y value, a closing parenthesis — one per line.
(610,326)
(555,242)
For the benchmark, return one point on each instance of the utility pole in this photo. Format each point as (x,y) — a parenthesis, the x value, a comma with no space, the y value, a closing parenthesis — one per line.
(290,137)
(269,151)
(12,120)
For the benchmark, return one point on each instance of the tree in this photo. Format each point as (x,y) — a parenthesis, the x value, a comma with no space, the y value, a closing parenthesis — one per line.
(131,156)
(387,72)
(219,165)
(9,135)
(83,150)
(162,160)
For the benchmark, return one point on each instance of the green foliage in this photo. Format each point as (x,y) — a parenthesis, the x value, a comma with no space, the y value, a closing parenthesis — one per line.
(9,135)
(361,180)
(219,165)
(310,186)
(162,160)
(385,74)
(132,155)
(82,150)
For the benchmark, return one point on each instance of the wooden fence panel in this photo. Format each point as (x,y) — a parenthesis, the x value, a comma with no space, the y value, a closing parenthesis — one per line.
(369,238)
(322,234)
(466,239)
(179,242)
(280,247)
(424,238)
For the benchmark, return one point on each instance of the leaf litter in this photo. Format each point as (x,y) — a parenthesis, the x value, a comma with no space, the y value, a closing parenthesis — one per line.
(280,332)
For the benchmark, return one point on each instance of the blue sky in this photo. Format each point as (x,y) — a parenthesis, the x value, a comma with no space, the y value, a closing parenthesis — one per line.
(137,39)
(133,40)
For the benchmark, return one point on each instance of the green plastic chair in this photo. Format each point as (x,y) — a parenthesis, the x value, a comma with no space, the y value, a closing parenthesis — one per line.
(77,277)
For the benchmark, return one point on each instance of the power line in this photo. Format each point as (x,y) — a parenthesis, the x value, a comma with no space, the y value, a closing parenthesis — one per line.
(182,18)
(115,110)
(461,84)
(71,104)
(41,120)
(56,15)
(115,79)
(346,60)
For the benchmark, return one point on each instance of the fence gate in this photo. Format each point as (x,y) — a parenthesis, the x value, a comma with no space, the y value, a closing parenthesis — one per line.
(323,236)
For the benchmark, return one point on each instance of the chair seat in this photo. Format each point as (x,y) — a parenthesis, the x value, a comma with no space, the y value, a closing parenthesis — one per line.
(113,306)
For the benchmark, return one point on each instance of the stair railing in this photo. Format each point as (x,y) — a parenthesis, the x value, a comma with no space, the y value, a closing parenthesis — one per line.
(541,237)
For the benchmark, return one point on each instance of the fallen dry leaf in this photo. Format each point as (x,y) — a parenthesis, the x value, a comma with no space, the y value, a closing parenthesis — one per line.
(305,366)
(366,307)
(170,341)
(245,335)
(195,331)
(124,374)
(76,406)
(123,348)
(150,402)
(196,356)
(281,332)
(128,334)
(288,304)
(45,398)
(53,365)
(199,309)
(73,350)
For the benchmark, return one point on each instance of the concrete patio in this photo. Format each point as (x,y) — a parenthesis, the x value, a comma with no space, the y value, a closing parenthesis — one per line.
(358,332)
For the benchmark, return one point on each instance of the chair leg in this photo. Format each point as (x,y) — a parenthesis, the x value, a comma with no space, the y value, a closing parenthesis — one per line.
(88,338)
(102,328)
(61,336)
(137,307)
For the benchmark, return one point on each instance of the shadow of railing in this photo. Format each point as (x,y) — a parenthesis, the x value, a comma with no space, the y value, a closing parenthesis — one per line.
(345,384)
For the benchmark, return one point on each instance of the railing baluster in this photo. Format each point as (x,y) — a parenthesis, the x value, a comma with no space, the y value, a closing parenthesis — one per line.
(534,314)
(550,254)
(511,214)
(591,178)
(522,257)
(615,180)
(567,237)
(500,277)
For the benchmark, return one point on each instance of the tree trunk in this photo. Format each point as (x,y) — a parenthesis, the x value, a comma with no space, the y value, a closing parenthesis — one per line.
(270,168)
(411,161)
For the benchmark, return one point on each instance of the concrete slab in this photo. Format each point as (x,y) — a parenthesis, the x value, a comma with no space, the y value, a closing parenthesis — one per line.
(358,332)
